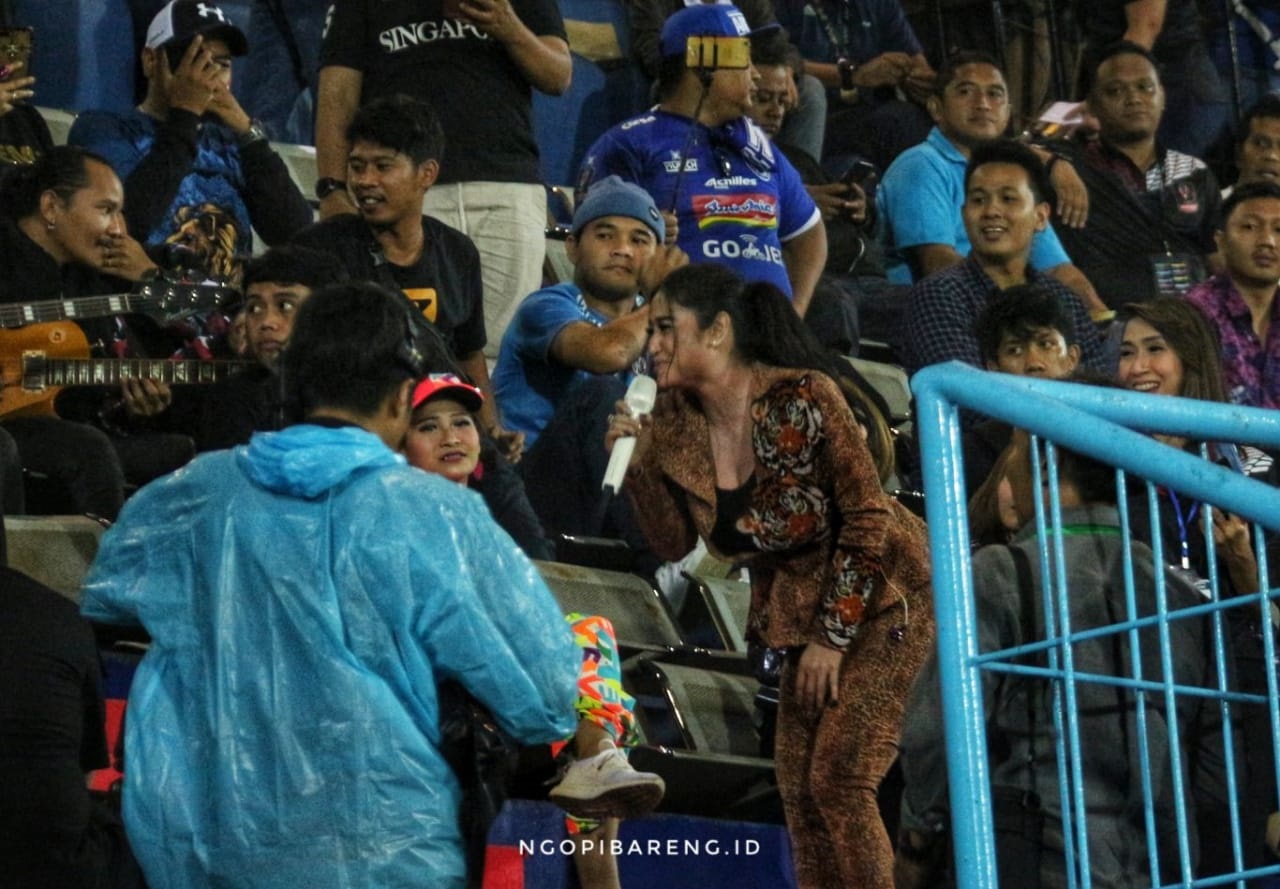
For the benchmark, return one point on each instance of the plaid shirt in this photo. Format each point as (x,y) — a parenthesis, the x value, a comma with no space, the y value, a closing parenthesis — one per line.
(944,307)
(1251,368)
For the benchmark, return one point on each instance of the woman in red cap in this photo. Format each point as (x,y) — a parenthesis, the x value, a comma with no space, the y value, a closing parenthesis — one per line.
(600,786)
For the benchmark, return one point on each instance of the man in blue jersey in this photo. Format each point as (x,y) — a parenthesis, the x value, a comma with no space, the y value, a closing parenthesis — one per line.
(711,171)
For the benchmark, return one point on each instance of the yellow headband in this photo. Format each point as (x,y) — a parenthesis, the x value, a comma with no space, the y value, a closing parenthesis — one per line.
(717,52)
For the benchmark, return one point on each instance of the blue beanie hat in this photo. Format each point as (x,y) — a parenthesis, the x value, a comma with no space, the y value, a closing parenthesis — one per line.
(613,197)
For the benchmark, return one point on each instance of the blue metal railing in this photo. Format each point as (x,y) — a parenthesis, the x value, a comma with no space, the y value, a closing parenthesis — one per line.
(1112,426)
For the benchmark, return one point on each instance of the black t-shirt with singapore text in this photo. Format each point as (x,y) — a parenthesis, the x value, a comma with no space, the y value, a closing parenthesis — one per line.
(444,283)
(484,102)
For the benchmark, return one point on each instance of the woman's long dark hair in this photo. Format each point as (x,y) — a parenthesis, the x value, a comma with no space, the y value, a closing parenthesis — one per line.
(768,331)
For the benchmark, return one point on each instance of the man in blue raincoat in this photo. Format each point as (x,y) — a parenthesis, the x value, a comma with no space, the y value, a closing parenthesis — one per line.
(305,595)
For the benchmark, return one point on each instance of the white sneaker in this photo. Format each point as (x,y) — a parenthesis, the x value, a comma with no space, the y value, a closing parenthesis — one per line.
(606,786)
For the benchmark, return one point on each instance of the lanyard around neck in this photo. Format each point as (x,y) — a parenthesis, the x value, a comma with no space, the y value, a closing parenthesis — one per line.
(1184,523)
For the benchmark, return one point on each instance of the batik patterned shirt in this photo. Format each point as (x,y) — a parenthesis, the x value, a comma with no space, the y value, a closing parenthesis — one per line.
(1250,367)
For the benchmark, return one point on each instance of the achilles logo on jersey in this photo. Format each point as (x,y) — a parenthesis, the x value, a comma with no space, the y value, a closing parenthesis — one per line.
(743,247)
(404,37)
(732,182)
(755,210)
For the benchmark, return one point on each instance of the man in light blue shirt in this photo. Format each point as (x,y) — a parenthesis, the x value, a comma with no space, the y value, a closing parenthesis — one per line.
(923,190)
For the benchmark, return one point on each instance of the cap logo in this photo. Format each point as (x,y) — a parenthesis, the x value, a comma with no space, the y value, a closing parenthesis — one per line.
(739,22)
(210,12)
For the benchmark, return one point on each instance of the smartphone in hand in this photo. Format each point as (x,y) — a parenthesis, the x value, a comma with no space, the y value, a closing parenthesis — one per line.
(15,47)
(862,174)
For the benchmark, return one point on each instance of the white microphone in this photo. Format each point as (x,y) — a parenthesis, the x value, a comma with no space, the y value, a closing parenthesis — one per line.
(641,395)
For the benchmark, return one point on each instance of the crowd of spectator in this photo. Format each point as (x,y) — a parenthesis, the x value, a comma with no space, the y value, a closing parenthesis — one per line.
(812,179)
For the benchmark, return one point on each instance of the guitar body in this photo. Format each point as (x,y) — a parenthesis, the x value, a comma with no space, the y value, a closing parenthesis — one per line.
(56,339)
(39,360)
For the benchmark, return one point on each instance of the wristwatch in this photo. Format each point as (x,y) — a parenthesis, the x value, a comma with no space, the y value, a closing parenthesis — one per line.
(328,185)
(255,133)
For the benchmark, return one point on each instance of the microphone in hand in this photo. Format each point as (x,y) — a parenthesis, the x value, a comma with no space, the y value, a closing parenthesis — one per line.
(641,395)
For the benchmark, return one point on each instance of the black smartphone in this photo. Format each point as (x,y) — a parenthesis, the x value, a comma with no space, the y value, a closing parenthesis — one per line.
(861,173)
(15,47)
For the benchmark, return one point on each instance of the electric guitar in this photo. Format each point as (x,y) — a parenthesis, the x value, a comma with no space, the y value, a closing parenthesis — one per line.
(164,300)
(48,351)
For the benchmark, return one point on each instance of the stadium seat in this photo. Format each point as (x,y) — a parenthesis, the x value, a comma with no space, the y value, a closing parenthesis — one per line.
(59,123)
(698,718)
(640,615)
(722,603)
(607,87)
(55,550)
(891,382)
(83,55)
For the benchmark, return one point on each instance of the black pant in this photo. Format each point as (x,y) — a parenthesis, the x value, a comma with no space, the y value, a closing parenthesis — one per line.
(564,469)
(77,457)
(89,468)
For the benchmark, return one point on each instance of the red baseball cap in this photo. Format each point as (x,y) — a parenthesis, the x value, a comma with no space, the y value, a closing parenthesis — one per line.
(451,385)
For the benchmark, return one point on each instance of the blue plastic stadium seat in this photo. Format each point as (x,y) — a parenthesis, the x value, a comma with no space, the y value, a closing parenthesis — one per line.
(601,95)
(83,55)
